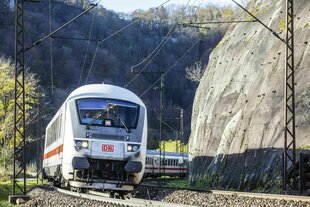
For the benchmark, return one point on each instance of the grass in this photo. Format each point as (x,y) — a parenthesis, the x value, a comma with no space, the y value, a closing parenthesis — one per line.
(303,147)
(271,187)
(6,190)
(179,184)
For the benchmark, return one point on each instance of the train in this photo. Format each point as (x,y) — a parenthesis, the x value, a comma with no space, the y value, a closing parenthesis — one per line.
(97,140)
(172,164)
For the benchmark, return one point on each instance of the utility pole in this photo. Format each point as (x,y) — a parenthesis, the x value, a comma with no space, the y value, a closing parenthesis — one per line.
(162,147)
(39,157)
(289,156)
(289,177)
(162,144)
(181,139)
(19,163)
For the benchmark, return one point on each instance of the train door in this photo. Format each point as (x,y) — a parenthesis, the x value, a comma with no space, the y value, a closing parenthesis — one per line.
(181,164)
(156,165)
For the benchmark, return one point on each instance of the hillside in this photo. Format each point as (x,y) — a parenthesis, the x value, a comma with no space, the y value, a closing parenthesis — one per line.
(237,133)
(116,56)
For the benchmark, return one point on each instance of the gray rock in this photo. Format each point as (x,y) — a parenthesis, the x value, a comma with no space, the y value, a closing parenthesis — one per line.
(237,121)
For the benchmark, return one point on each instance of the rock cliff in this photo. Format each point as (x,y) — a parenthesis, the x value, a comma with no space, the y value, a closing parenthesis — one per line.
(237,133)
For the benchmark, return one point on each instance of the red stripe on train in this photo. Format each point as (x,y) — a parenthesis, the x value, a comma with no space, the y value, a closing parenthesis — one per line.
(166,168)
(53,152)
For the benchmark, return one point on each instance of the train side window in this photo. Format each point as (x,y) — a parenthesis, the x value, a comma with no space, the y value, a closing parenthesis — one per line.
(155,161)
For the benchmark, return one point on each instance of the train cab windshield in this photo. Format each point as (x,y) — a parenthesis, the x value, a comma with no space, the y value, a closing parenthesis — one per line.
(108,113)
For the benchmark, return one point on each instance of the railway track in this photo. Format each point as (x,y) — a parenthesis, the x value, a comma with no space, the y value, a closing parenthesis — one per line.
(237,193)
(152,195)
(132,202)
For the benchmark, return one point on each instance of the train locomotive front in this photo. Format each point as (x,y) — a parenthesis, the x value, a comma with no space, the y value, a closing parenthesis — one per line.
(97,140)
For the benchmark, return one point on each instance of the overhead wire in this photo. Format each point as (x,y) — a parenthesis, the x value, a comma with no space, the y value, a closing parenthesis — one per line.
(172,67)
(76,38)
(88,43)
(158,46)
(165,123)
(115,33)
(156,50)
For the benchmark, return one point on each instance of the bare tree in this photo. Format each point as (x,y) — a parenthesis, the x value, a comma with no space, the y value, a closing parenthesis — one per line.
(195,72)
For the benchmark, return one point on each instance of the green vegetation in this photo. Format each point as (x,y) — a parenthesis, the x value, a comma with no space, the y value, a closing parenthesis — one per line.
(204,183)
(303,147)
(7,105)
(174,146)
(273,186)
(207,182)
(6,190)
(282,25)
(179,184)
(255,11)
(228,13)
(305,26)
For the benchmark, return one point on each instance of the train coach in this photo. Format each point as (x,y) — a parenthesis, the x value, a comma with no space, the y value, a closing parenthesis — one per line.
(97,140)
(172,165)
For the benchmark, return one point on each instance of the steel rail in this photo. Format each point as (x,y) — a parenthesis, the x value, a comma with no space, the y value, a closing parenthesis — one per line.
(238,193)
(131,202)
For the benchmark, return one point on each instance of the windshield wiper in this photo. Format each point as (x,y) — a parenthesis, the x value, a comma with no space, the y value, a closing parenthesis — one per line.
(96,118)
(123,123)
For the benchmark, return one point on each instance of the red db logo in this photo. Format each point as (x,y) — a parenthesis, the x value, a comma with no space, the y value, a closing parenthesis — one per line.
(107,148)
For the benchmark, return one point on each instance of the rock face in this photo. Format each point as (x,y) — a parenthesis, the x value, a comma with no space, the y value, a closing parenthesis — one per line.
(237,134)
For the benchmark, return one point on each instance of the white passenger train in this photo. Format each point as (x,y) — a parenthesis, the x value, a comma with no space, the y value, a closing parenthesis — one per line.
(172,165)
(97,140)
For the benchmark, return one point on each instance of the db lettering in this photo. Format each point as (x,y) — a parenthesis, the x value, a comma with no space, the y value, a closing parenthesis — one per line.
(107,148)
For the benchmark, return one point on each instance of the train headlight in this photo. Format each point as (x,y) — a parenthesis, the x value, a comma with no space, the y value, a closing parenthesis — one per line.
(85,144)
(81,144)
(133,147)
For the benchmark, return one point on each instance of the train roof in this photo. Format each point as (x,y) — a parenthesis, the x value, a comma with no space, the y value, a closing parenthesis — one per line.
(106,91)
(175,154)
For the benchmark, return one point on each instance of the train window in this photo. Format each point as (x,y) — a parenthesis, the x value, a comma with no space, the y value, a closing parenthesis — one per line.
(119,112)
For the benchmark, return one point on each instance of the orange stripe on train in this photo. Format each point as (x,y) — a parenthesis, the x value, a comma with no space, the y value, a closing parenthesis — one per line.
(53,152)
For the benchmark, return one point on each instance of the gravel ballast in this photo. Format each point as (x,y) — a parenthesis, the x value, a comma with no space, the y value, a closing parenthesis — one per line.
(46,195)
